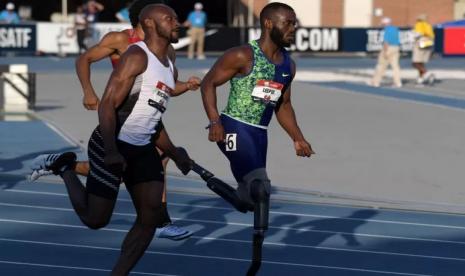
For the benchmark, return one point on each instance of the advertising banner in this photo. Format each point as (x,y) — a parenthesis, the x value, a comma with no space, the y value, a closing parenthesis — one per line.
(310,39)
(18,38)
(374,39)
(216,39)
(60,38)
(454,41)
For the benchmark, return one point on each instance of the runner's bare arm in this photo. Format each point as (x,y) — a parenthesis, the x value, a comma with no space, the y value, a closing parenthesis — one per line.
(132,63)
(236,61)
(286,117)
(180,157)
(110,44)
(192,84)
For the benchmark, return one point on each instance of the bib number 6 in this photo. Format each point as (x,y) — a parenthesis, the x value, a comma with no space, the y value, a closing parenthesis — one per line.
(231,141)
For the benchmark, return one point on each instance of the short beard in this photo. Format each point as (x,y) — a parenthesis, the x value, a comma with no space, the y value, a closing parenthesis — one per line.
(278,38)
(167,35)
(174,39)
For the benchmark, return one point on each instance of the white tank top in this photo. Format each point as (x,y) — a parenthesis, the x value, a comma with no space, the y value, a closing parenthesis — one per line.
(141,112)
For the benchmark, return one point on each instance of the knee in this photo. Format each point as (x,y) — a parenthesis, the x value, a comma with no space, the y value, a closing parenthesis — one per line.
(96,223)
(260,190)
(152,217)
(260,193)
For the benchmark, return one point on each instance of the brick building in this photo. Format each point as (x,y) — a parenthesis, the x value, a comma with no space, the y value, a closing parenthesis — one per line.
(367,13)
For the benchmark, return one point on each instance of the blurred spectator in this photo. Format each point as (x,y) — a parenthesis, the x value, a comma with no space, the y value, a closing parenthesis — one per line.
(92,8)
(123,14)
(9,15)
(422,49)
(196,21)
(25,13)
(80,25)
(389,54)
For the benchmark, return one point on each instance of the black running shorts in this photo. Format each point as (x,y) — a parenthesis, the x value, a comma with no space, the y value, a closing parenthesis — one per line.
(143,165)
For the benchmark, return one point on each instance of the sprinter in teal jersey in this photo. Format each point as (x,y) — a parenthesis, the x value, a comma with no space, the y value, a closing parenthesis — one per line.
(260,74)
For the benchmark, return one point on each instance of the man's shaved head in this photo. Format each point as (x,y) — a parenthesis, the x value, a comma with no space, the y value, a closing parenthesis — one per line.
(278,21)
(137,6)
(150,11)
(270,10)
(162,19)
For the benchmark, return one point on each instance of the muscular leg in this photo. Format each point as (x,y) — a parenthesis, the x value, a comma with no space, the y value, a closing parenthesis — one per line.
(82,168)
(164,163)
(168,229)
(147,201)
(94,211)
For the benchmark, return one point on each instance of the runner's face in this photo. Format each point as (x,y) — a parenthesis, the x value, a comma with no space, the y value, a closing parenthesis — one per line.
(283,30)
(168,26)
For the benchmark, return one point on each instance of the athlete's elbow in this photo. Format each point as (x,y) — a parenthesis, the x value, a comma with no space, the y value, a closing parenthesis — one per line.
(82,60)
(204,88)
(207,86)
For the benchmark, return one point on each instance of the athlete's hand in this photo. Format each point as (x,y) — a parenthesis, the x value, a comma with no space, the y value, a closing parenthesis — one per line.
(303,148)
(183,161)
(193,83)
(115,161)
(90,101)
(216,132)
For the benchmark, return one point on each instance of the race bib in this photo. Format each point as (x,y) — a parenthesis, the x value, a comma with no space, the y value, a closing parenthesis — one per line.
(160,97)
(231,139)
(267,91)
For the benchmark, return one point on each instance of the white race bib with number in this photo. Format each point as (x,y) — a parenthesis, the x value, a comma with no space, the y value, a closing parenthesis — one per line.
(267,91)
(231,141)
(160,97)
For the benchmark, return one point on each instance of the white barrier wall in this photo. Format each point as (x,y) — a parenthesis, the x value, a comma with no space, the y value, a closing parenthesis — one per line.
(61,37)
(13,101)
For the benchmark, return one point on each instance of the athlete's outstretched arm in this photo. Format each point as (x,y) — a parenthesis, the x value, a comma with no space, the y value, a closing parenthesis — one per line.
(193,83)
(109,45)
(133,62)
(180,157)
(235,61)
(287,119)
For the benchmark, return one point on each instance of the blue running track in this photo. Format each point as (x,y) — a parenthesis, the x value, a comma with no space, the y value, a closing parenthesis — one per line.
(41,235)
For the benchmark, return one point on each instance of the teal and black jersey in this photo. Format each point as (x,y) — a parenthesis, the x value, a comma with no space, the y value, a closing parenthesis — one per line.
(252,98)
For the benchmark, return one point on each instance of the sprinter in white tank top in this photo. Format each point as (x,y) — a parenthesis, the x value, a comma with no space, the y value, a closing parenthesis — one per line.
(149,64)
(123,145)
(148,99)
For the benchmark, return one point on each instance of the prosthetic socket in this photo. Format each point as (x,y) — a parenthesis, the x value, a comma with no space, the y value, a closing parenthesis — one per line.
(222,189)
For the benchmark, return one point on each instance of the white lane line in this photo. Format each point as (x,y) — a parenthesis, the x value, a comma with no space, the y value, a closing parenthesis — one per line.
(338,218)
(246,241)
(77,268)
(273,212)
(335,249)
(329,232)
(300,230)
(216,257)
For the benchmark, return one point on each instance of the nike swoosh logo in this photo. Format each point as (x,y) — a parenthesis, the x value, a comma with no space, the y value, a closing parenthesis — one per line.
(184,41)
(285,75)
